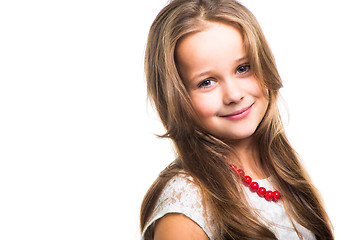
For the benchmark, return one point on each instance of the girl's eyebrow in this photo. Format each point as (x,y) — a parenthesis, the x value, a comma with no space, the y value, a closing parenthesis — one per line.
(200,75)
(242,59)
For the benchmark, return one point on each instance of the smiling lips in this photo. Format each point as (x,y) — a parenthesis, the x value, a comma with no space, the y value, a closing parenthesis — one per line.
(238,114)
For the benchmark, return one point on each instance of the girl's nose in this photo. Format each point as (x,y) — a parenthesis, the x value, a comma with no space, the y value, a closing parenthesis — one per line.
(232,93)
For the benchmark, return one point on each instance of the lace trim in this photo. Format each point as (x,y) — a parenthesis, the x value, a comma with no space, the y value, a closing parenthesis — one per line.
(181,195)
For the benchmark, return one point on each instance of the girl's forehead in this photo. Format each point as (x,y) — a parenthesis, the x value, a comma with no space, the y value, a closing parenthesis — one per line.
(211,37)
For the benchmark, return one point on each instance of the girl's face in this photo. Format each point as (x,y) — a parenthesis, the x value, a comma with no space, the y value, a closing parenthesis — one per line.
(223,90)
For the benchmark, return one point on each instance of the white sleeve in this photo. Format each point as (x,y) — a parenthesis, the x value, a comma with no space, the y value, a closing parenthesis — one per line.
(181,195)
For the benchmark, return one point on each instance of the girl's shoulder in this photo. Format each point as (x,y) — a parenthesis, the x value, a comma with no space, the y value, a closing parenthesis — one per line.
(182,195)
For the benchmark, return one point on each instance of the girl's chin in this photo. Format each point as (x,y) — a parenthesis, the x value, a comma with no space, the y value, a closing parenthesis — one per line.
(235,137)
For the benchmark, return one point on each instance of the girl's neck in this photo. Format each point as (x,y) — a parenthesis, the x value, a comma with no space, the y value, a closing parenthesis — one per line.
(247,158)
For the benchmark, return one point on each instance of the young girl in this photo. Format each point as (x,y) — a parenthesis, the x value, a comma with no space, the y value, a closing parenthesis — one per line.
(214,83)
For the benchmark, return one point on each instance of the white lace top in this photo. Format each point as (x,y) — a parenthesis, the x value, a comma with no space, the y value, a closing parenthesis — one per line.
(181,195)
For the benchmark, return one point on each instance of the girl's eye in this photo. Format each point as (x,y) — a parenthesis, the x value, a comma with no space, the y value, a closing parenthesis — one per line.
(206,83)
(244,68)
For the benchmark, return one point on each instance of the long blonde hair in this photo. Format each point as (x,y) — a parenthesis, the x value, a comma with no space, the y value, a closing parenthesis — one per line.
(201,154)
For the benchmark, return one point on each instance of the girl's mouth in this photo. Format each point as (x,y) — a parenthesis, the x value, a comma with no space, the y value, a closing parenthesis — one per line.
(238,114)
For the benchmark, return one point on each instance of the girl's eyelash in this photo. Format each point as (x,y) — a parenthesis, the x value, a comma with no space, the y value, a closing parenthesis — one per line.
(243,68)
(206,83)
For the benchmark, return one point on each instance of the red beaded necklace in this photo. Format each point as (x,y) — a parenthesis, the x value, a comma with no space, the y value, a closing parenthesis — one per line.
(254,186)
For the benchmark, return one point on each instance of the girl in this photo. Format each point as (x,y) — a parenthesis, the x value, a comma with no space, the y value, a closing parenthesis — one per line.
(213,80)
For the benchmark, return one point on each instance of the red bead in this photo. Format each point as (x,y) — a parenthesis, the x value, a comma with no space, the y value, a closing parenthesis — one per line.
(254,186)
(247,180)
(261,192)
(269,195)
(233,167)
(276,196)
(240,172)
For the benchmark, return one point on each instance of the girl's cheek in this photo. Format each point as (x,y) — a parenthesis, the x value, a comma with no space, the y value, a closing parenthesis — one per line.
(256,88)
(205,104)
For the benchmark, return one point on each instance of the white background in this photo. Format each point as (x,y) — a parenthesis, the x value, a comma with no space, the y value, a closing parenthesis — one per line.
(77,144)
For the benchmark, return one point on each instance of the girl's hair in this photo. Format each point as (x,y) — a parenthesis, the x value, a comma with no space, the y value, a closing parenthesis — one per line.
(202,155)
